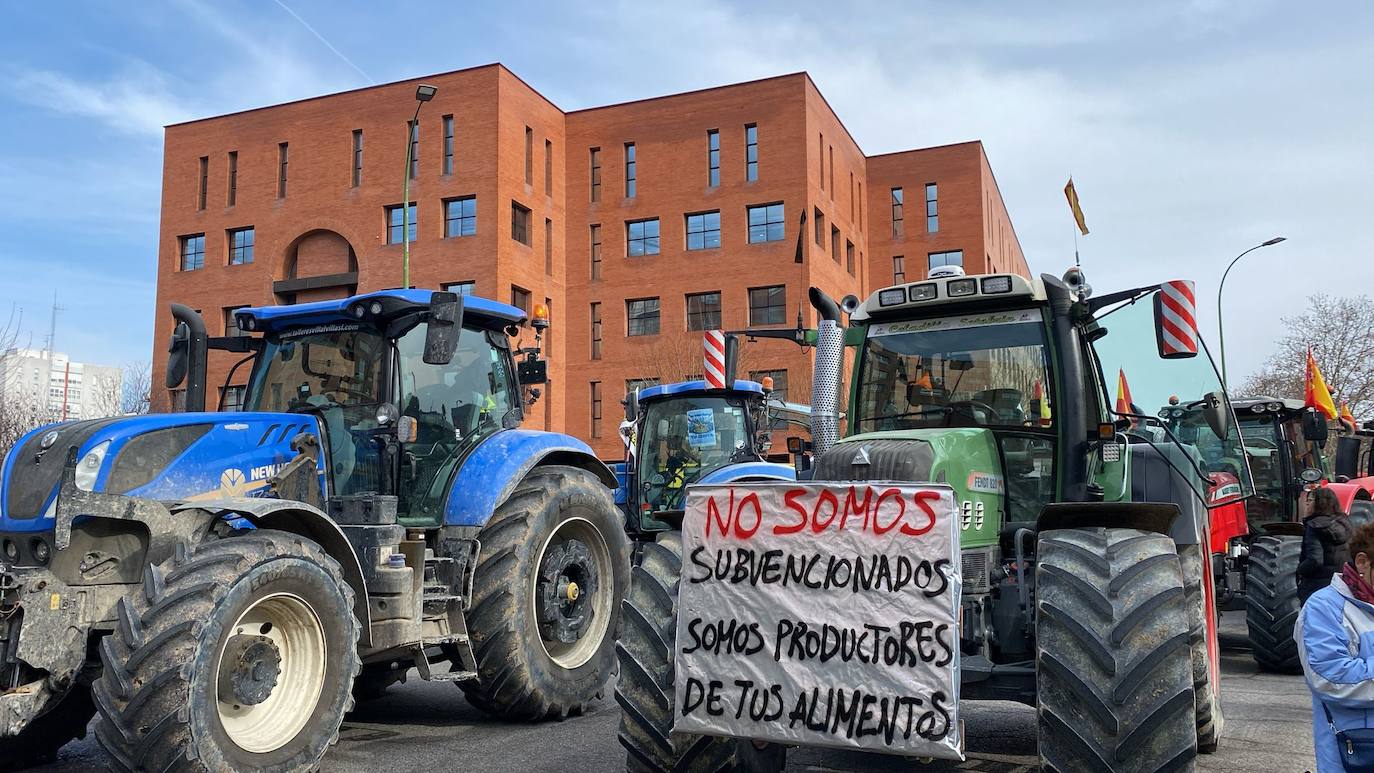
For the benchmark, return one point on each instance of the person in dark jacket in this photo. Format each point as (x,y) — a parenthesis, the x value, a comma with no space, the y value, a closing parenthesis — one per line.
(1325,534)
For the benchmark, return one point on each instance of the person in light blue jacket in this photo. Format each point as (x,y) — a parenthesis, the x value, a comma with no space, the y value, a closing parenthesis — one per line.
(1335,629)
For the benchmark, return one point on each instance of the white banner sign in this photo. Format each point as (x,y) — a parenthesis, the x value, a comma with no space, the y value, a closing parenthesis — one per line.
(823,614)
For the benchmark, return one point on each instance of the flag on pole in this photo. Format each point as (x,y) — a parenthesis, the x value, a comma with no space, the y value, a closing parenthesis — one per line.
(1347,418)
(1040,405)
(1072,195)
(1123,394)
(1316,395)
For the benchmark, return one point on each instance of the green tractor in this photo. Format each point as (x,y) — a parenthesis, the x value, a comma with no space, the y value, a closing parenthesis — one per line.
(1086,581)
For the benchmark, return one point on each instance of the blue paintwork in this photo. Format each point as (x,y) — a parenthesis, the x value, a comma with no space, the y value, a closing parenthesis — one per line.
(323,312)
(742,470)
(622,482)
(236,456)
(495,467)
(690,387)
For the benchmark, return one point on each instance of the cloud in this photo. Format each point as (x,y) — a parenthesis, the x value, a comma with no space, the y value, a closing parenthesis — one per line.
(135,101)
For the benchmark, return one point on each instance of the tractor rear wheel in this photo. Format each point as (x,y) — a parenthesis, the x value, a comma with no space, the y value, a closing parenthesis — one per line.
(546,597)
(645,690)
(238,654)
(1271,602)
(1115,686)
(42,738)
(1203,644)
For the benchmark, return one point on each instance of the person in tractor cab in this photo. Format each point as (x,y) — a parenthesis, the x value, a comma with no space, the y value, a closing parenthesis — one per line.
(1325,533)
(1335,630)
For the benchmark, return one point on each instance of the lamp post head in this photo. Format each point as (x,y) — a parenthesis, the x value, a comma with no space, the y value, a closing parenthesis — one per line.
(1273,241)
(425,93)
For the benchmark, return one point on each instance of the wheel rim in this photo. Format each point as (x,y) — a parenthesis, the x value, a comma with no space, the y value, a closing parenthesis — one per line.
(572,593)
(260,713)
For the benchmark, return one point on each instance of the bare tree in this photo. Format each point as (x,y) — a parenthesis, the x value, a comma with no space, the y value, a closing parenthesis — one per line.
(106,396)
(138,387)
(681,357)
(1341,334)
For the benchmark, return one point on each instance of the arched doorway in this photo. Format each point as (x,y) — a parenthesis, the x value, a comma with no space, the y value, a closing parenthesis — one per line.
(318,265)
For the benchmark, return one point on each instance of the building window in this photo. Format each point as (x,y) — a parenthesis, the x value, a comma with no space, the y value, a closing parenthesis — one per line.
(897,213)
(548,346)
(819,217)
(520,223)
(231,398)
(849,256)
(414,148)
(820,157)
(932,208)
(851,196)
(448,145)
(859,226)
(831,150)
(596,409)
(751,152)
(596,331)
(596,251)
(460,216)
(233,178)
(766,223)
(461,288)
(898,269)
(231,322)
(641,237)
(240,246)
(548,246)
(703,231)
(951,258)
(548,167)
(835,243)
(703,311)
(204,183)
(634,384)
(768,305)
(642,316)
(357,157)
(596,173)
(529,156)
(631,176)
(192,252)
(282,158)
(713,157)
(520,298)
(396,224)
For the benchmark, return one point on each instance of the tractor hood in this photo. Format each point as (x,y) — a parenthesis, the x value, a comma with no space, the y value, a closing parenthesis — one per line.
(965,459)
(178,456)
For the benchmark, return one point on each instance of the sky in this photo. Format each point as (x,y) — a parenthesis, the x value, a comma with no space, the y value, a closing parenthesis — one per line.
(1193,129)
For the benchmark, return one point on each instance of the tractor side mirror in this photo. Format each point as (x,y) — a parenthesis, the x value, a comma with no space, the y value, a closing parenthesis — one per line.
(1310,476)
(632,406)
(178,355)
(1347,463)
(531,372)
(1314,428)
(1217,413)
(959,361)
(445,325)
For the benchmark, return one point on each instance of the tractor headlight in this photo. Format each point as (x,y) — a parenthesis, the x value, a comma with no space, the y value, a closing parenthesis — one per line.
(962,287)
(923,292)
(893,297)
(89,467)
(1257,408)
(374,308)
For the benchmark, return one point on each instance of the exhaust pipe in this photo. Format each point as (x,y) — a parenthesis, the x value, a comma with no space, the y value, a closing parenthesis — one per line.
(825,375)
(187,355)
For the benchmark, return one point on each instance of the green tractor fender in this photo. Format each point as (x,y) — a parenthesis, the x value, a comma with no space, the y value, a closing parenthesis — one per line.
(1158,517)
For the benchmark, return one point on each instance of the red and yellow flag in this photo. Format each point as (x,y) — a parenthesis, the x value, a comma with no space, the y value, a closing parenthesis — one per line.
(1071,194)
(1123,394)
(1347,418)
(1040,404)
(1316,395)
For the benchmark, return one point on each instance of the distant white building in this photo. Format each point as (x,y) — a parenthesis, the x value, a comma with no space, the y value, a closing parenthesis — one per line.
(65,389)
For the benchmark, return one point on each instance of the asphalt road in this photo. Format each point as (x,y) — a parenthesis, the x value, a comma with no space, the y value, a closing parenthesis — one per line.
(423,726)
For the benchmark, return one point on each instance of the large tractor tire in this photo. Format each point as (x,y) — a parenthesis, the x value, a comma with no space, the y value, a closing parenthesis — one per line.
(1115,676)
(42,738)
(645,690)
(1203,644)
(238,654)
(1271,602)
(547,589)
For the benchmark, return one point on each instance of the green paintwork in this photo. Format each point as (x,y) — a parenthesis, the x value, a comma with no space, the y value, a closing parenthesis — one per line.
(959,453)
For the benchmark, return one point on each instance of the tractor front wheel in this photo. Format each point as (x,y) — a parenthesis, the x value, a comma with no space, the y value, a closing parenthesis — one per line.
(238,654)
(1271,602)
(1115,676)
(1203,644)
(546,597)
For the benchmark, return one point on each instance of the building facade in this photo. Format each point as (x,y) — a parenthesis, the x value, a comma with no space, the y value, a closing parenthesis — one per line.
(41,386)
(639,224)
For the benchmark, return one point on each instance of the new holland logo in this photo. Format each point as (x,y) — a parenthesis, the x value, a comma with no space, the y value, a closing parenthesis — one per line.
(232,483)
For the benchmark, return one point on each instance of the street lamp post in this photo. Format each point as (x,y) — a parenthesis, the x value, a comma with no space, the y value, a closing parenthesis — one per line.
(1221,322)
(423,94)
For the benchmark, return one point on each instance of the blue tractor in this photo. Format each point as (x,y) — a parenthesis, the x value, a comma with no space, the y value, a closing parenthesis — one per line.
(218,587)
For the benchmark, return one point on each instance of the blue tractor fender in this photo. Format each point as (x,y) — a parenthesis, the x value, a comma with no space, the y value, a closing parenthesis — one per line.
(740,471)
(621,470)
(493,470)
(301,519)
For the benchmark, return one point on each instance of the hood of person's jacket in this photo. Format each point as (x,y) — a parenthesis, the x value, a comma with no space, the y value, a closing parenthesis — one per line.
(1332,528)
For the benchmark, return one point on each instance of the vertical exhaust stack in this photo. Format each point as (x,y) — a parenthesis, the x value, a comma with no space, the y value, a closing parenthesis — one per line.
(825,376)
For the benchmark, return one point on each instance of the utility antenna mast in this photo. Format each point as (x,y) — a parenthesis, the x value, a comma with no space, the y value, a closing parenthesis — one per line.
(52,325)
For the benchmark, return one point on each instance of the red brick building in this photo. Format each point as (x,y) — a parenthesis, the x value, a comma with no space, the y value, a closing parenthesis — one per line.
(639,224)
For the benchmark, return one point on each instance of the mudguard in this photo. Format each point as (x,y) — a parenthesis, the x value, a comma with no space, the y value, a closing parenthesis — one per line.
(749,471)
(1159,517)
(493,469)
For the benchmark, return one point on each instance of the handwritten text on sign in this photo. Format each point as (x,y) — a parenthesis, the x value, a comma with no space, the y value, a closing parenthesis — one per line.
(821,614)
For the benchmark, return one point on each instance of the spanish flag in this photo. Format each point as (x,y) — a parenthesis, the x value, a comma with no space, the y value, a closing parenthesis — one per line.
(1316,394)
(1123,394)
(1347,418)
(1072,196)
(1040,404)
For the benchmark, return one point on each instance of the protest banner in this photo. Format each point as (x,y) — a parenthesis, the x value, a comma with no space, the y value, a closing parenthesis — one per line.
(822,614)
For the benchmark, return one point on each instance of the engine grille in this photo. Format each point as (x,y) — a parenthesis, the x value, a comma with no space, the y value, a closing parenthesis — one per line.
(34,475)
(895,460)
(975,568)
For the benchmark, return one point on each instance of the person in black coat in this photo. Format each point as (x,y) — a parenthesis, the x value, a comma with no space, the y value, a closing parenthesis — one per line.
(1325,534)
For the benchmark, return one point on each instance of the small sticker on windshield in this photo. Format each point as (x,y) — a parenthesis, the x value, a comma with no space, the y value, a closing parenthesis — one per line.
(701,428)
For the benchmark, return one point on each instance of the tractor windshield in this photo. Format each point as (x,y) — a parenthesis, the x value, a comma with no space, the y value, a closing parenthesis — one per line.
(1136,379)
(683,438)
(1264,449)
(976,370)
